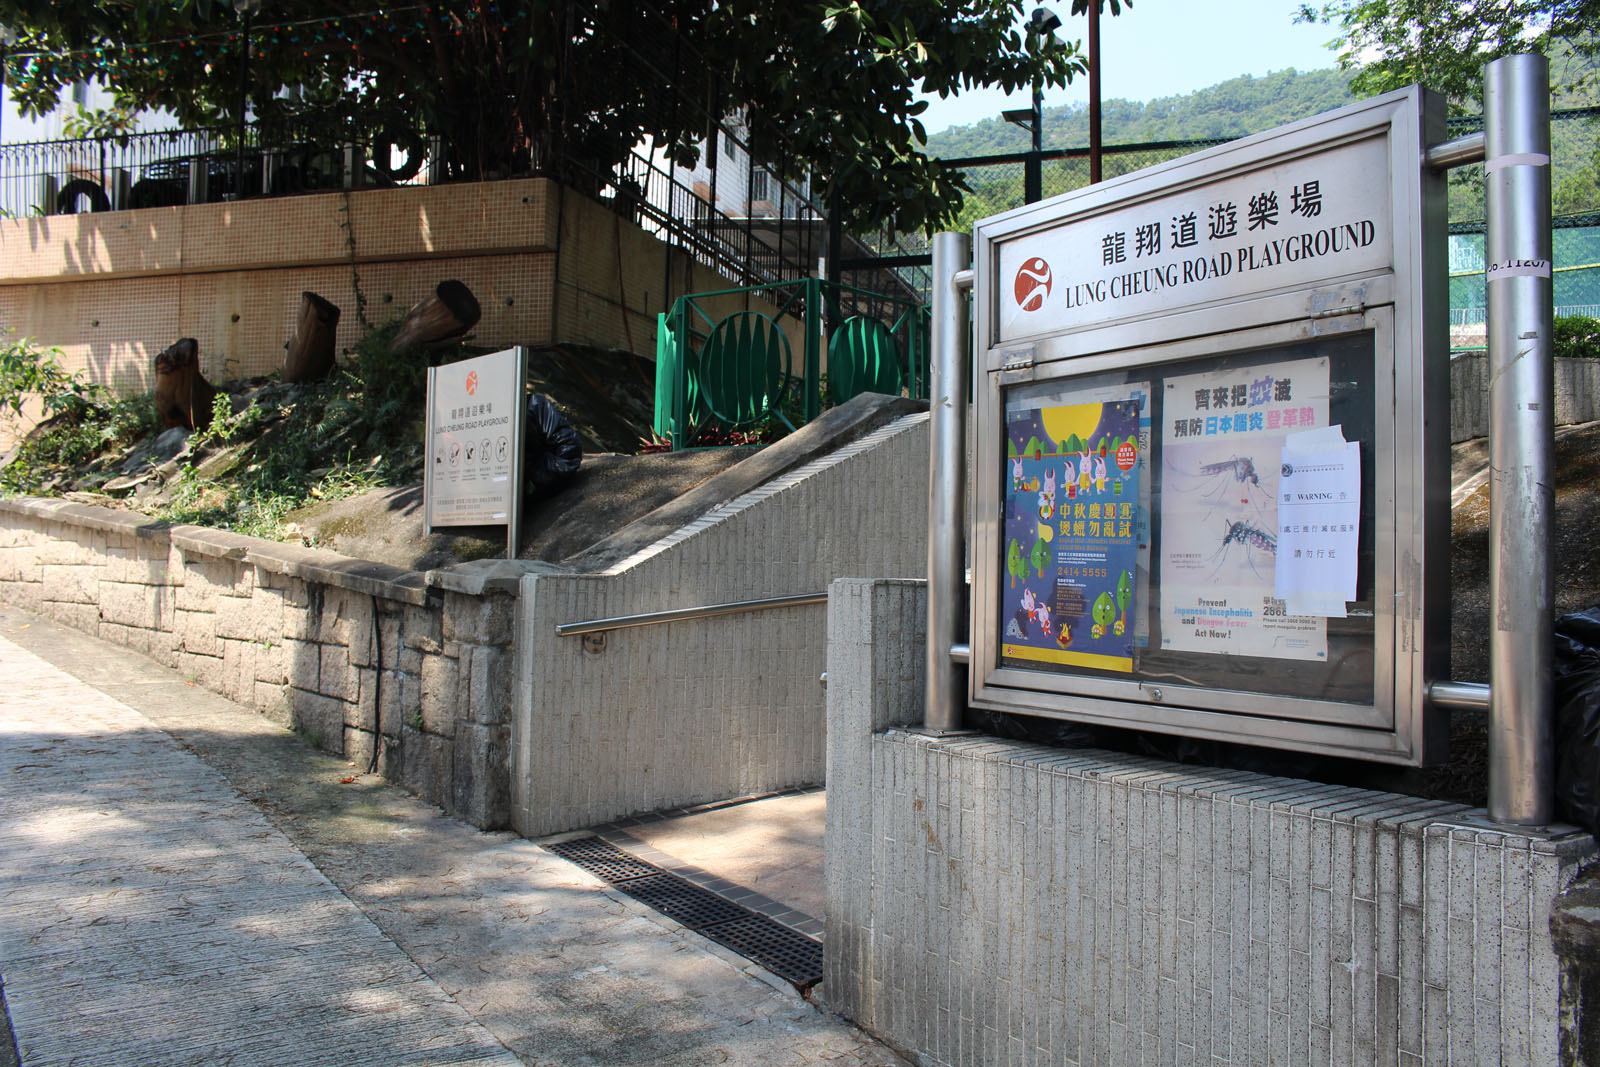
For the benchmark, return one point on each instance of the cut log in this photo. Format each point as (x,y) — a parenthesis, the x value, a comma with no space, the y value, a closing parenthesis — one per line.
(310,351)
(443,318)
(183,396)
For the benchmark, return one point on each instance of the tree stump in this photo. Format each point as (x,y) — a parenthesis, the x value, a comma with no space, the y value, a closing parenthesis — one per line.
(443,318)
(183,396)
(310,351)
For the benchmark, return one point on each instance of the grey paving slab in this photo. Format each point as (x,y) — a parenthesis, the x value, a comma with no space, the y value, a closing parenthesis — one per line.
(558,968)
(152,916)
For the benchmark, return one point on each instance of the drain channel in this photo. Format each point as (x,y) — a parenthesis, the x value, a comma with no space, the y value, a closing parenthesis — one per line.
(787,953)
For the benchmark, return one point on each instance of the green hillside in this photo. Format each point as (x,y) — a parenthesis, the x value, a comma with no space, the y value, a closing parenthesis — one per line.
(1232,108)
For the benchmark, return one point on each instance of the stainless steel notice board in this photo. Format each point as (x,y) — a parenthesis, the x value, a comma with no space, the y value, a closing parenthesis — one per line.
(1210,493)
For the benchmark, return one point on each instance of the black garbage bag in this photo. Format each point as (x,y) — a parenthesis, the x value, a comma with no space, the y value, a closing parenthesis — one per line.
(1577,709)
(551,451)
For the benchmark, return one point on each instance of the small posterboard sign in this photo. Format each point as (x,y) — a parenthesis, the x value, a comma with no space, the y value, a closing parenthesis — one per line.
(473,471)
(1224,433)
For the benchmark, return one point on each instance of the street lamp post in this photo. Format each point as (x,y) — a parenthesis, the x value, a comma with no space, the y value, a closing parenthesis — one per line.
(1043,22)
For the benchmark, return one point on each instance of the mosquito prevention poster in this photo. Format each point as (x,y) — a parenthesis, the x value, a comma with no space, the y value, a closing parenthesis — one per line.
(1076,518)
(1223,435)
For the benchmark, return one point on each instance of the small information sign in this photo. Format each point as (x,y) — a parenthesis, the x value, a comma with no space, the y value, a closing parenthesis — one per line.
(474,462)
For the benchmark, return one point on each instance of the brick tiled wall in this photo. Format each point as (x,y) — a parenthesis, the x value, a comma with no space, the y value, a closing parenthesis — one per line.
(991,901)
(113,289)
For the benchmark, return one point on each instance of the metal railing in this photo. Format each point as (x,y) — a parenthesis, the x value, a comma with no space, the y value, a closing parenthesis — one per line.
(704,611)
(166,168)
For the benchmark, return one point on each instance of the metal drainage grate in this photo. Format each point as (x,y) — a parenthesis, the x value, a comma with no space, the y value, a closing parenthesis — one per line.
(684,902)
(601,857)
(787,953)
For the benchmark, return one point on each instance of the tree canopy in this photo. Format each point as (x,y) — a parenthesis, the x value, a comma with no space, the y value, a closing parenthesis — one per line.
(829,87)
(1443,44)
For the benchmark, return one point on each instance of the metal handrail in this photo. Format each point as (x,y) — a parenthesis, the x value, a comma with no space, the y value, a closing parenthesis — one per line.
(704,611)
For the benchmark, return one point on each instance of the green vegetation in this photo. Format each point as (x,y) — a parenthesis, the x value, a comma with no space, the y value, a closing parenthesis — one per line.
(29,371)
(285,447)
(357,431)
(81,419)
(1389,44)
(1246,105)
(1576,337)
(1444,45)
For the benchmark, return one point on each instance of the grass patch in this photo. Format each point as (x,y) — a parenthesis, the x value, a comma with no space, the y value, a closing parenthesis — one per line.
(286,447)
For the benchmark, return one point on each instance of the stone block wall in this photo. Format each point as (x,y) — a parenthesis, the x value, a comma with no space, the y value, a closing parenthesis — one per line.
(358,657)
(1577,393)
(687,712)
(991,901)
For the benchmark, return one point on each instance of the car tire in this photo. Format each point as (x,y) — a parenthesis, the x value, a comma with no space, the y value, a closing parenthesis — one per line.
(67,198)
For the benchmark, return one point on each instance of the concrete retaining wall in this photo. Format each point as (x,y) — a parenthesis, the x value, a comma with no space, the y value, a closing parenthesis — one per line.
(1577,388)
(352,654)
(996,902)
(689,712)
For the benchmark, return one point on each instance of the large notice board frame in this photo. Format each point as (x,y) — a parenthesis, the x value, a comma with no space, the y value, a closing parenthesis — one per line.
(475,413)
(1066,291)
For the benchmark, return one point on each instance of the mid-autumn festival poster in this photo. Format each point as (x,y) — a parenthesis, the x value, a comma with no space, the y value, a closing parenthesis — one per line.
(1072,493)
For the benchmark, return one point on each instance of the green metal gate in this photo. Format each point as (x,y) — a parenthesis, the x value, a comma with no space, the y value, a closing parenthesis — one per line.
(738,370)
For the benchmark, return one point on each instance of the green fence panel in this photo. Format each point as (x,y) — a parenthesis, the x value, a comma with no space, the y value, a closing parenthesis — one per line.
(862,358)
(668,373)
(742,368)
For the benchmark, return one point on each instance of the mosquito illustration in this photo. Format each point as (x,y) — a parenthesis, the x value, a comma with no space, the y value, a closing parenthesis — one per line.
(1230,485)
(1252,538)
(1243,469)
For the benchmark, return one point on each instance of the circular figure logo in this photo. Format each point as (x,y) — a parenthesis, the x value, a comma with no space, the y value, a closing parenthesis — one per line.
(1286,470)
(1032,284)
(1127,456)
(472,382)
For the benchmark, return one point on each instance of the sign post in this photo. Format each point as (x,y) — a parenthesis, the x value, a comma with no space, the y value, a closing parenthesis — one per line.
(473,469)
(1521,441)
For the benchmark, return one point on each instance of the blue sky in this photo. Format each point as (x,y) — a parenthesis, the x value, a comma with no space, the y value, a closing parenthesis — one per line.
(1164,48)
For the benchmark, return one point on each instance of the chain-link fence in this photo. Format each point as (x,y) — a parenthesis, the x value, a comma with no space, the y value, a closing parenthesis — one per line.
(1575,225)
(999,183)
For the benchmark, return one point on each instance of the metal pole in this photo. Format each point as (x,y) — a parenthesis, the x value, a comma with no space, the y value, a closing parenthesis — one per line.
(1033,172)
(1521,442)
(947,466)
(812,294)
(1094,92)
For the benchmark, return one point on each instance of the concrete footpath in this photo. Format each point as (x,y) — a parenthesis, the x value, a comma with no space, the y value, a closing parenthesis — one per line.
(185,883)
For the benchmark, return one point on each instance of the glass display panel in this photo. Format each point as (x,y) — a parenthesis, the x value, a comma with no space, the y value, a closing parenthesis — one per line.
(1207,522)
